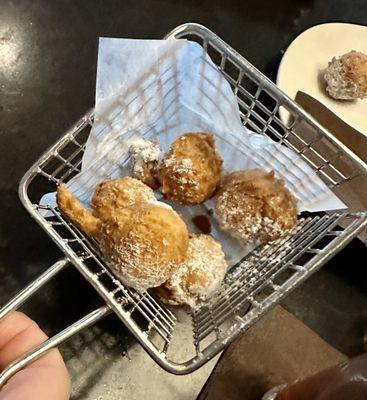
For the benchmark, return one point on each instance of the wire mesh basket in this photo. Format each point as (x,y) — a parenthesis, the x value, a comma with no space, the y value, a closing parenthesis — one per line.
(183,342)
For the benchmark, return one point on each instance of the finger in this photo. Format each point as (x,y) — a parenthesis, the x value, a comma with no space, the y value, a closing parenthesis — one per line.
(19,335)
(46,378)
(11,325)
(38,382)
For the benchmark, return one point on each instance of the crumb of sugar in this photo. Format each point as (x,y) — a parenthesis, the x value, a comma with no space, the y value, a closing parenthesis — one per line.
(160,204)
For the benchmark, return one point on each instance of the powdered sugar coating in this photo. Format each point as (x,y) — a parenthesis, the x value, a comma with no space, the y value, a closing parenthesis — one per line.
(183,171)
(190,171)
(142,248)
(346,76)
(144,160)
(199,276)
(136,264)
(140,241)
(254,206)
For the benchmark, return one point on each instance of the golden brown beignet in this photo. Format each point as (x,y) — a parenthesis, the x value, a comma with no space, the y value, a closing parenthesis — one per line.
(346,76)
(141,243)
(254,206)
(112,195)
(81,218)
(145,249)
(190,171)
(199,276)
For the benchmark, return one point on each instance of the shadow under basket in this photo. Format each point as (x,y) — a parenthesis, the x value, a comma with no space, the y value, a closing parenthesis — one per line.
(178,340)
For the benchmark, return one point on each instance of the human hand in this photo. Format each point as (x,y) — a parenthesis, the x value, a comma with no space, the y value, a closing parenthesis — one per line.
(44,379)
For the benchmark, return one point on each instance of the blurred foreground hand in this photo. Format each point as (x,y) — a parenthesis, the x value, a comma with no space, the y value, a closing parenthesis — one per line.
(46,378)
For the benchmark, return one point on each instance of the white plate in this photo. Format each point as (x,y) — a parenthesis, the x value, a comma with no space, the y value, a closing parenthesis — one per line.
(309,54)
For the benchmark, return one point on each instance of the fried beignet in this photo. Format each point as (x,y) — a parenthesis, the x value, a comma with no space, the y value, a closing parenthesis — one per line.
(254,206)
(81,218)
(113,195)
(199,276)
(141,243)
(190,171)
(144,161)
(145,249)
(346,76)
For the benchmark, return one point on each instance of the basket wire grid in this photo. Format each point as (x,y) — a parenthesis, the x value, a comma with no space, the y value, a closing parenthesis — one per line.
(251,287)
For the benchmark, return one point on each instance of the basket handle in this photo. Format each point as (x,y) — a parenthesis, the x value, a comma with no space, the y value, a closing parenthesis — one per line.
(32,288)
(52,342)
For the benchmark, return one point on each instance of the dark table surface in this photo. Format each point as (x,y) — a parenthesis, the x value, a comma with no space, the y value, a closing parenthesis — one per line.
(48,53)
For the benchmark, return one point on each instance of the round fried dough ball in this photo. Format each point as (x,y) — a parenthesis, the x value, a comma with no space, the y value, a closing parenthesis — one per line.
(254,206)
(143,249)
(110,197)
(346,76)
(190,171)
(199,276)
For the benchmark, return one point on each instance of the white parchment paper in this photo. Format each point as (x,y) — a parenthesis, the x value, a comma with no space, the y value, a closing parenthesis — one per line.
(159,89)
